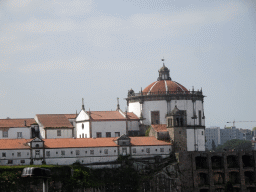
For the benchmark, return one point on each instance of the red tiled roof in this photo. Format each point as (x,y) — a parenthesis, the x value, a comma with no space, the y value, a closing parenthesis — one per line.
(7,123)
(163,86)
(160,127)
(111,115)
(14,143)
(147,141)
(54,121)
(70,116)
(79,142)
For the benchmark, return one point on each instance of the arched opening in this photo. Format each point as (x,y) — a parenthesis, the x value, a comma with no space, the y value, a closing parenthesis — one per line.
(37,145)
(218,178)
(249,177)
(247,161)
(203,179)
(201,163)
(232,161)
(234,177)
(217,162)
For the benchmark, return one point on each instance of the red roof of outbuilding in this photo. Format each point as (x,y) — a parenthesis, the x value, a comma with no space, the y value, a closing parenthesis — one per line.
(54,121)
(111,115)
(14,143)
(160,127)
(7,123)
(79,142)
(163,86)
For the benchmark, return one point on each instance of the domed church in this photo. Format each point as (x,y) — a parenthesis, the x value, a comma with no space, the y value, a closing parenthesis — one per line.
(169,104)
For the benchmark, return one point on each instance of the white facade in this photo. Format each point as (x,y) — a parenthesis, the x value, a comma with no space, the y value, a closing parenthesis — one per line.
(88,128)
(36,152)
(15,133)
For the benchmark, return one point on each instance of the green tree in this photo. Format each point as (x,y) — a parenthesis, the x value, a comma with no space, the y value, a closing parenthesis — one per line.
(236,145)
(254,128)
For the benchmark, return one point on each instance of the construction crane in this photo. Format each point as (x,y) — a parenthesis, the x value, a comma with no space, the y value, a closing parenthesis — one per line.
(239,121)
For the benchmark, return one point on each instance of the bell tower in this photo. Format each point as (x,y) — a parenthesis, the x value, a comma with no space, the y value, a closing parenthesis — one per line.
(176,126)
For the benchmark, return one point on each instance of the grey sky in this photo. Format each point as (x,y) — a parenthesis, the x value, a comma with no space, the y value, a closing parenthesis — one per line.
(54,52)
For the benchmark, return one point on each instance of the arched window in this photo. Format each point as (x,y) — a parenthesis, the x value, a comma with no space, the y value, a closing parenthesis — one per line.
(37,145)
(82,126)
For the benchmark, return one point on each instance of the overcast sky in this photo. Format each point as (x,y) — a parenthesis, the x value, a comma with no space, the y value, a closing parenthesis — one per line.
(53,53)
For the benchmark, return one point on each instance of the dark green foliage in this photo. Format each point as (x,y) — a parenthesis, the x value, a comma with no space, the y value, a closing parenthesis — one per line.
(147,131)
(235,145)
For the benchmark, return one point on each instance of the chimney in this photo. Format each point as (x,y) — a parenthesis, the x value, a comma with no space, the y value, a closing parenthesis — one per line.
(25,123)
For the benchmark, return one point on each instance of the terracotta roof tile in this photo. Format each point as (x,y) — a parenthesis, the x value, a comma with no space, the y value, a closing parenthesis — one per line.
(7,123)
(54,121)
(70,116)
(147,141)
(160,127)
(14,143)
(79,142)
(111,115)
(163,86)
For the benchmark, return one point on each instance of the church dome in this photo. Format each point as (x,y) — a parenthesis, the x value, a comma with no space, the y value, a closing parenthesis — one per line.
(164,86)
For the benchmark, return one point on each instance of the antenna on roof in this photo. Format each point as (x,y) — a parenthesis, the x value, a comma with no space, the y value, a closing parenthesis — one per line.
(83,103)
(118,106)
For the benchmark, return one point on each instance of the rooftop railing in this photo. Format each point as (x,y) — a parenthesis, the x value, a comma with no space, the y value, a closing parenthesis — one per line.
(167,93)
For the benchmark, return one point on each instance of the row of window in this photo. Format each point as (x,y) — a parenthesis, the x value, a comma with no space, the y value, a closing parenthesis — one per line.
(37,152)
(18,154)
(11,161)
(5,134)
(99,134)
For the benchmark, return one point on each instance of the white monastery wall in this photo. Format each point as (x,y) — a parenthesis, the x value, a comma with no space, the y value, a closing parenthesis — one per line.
(149,106)
(81,130)
(13,133)
(150,151)
(108,126)
(200,139)
(65,133)
(16,156)
(82,116)
(133,125)
(135,108)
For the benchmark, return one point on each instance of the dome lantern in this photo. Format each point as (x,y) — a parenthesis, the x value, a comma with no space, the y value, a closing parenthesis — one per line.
(164,73)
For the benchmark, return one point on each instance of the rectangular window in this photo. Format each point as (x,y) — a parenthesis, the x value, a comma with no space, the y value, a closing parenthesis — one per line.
(105,151)
(37,152)
(155,117)
(108,134)
(18,154)
(82,135)
(9,161)
(91,152)
(161,149)
(12,154)
(117,134)
(202,132)
(142,150)
(5,134)
(134,150)
(148,150)
(19,134)
(58,132)
(22,161)
(85,135)
(62,152)
(3,154)
(98,134)
(48,153)
(77,152)
(71,152)
(56,152)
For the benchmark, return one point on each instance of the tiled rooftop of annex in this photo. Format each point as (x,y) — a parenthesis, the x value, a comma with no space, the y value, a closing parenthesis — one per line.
(80,142)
